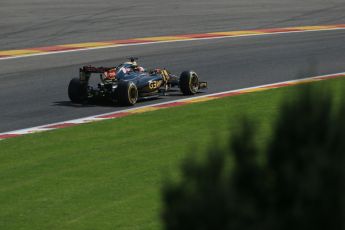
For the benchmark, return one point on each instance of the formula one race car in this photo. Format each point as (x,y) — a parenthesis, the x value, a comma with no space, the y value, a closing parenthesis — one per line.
(128,82)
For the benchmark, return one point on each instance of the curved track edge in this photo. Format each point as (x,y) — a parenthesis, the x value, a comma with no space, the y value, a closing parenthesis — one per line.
(66,48)
(147,108)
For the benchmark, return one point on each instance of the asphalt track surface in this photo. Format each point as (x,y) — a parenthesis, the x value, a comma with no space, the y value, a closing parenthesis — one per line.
(33,90)
(33,23)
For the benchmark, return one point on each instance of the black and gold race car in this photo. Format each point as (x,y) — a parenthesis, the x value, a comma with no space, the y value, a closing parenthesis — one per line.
(128,82)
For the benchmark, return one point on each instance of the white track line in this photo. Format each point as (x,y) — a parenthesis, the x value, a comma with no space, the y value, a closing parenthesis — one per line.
(158,42)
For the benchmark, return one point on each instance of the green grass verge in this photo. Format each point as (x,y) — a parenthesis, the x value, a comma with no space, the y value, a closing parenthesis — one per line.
(108,175)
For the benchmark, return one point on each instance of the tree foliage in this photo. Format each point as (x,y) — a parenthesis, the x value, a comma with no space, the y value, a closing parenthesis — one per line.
(301,184)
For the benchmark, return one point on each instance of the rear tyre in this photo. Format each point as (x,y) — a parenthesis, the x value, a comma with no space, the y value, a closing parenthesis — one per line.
(189,82)
(127,93)
(77,91)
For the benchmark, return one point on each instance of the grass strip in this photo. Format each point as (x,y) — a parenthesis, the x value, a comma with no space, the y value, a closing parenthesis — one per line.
(108,175)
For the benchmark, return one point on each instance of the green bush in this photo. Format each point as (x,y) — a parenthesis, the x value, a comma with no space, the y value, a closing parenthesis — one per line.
(300,184)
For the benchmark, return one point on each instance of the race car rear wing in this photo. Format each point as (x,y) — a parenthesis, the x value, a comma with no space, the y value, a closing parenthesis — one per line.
(86,71)
(92,69)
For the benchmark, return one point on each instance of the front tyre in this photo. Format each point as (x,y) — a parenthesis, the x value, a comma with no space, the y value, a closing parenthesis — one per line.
(127,93)
(77,91)
(189,82)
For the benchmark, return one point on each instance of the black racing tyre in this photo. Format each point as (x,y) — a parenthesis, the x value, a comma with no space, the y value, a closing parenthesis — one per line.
(189,82)
(76,91)
(127,93)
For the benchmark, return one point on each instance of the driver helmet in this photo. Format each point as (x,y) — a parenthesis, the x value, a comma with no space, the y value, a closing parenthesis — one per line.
(134,66)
